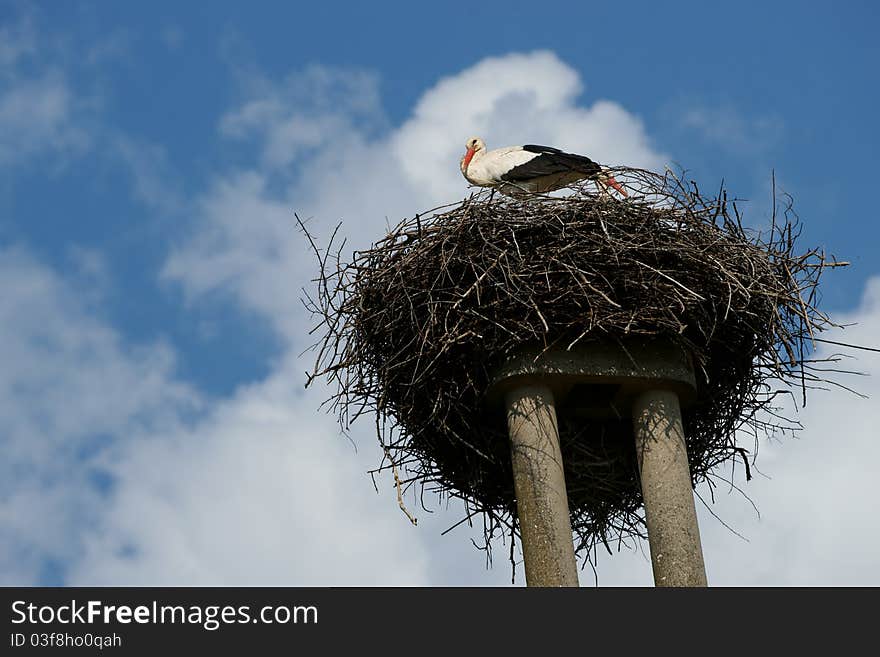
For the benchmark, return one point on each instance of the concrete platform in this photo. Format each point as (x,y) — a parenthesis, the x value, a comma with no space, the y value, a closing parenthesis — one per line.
(645,380)
(598,379)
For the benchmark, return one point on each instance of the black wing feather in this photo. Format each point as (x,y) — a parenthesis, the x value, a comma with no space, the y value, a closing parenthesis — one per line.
(550,161)
(532,148)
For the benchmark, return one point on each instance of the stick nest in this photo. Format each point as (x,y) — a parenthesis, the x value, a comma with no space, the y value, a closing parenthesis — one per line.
(411,328)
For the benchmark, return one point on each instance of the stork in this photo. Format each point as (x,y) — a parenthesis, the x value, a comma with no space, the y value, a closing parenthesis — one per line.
(529,168)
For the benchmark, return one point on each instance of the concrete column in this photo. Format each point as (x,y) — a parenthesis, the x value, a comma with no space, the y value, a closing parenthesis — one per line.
(542,501)
(673,533)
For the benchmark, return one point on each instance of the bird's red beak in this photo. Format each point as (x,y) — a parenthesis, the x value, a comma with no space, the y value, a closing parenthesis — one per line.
(616,185)
(467,158)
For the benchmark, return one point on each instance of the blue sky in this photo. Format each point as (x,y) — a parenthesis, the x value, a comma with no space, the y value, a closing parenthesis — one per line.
(152,156)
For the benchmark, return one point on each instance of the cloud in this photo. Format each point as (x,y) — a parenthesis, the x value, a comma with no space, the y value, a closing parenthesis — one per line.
(261,492)
(17,40)
(36,116)
(152,178)
(817,522)
(37,106)
(726,127)
(71,394)
(51,111)
(306,111)
(245,246)
(116,472)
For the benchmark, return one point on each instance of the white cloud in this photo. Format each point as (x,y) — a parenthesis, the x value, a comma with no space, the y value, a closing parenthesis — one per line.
(50,111)
(262,491)
(307,111)
(818,519)
(115,472)
(71,392)
(247,246)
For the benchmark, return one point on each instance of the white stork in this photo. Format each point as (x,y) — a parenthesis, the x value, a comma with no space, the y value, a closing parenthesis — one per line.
(529,168)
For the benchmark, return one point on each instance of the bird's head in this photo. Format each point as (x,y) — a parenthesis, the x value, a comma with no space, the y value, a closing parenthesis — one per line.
(474,145)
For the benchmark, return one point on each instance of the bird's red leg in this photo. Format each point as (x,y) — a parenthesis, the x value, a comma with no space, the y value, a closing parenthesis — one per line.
(609,180)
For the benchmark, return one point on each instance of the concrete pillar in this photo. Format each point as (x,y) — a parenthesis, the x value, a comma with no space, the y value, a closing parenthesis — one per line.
(673,533)
(542,501)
